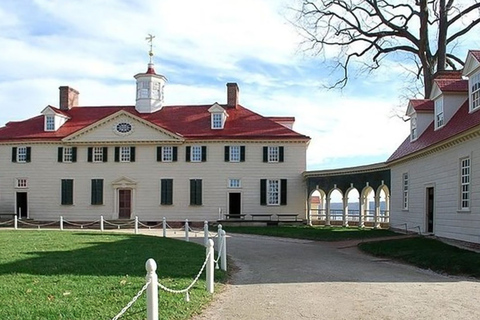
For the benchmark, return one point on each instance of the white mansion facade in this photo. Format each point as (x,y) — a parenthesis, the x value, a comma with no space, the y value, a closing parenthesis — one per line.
(151,160)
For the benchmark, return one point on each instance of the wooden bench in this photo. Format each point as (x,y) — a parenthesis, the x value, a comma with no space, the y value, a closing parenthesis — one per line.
(264,215)
(238,216)
(287,216)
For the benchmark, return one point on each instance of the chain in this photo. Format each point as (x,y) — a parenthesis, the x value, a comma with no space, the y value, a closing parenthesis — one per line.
(132,301)
(6,222)
(80,225)
(38,225)
(161,286)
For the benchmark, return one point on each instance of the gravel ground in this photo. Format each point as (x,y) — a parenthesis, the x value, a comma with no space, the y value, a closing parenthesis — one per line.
(298,279)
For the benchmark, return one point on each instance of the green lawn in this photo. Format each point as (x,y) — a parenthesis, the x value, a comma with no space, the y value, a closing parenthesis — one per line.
(313,233)
(428,254)
(79,275)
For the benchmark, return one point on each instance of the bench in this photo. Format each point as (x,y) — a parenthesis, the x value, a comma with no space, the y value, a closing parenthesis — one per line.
(287,216)
(232,216)
(262,215)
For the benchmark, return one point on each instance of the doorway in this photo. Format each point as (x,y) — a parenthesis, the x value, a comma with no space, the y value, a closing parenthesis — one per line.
(430,209)
(22,205)
(124,203)
(234,204)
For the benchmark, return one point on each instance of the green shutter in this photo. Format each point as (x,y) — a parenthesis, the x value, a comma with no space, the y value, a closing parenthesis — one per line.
(105,154)
(227,154)
(159,153)
(283,192)
(242,153)
(263,192)
(192,192)
(280,154)
(132,154)
(74,154)
(117,154)
(265,154)
(67,191)
(97,191)
(167,191)
(204,153)
(196,192)
(90,154)
(60,154)
(199,192)
(14,154)
(187,153)
(174,155)
(29,154)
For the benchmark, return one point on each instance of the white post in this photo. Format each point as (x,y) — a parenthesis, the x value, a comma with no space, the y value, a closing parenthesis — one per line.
(15,222)
(219,236)
(136,224)
(187,238)
(152,290)
(210,271)
(61,222)
(224,251)
(164,227)
(205,233)
(101,223)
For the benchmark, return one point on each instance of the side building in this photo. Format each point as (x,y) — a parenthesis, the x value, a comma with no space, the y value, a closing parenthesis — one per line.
(149,160)
(435,173)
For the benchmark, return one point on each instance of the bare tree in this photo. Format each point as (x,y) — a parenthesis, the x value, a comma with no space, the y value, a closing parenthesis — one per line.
(369,30)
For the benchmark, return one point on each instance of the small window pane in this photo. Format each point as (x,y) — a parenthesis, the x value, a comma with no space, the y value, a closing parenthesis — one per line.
(167,154)
(125,154)
(50,123)
(273,192)
(22,154)
(67,154)
(196,155)
(98,154)
(273,154)
(234,154)
(234,183)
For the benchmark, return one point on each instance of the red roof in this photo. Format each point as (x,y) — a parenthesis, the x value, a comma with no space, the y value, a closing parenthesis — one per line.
(452,85)
(448,74)
(460,122)
(191,122)
(422,105)
(476,54)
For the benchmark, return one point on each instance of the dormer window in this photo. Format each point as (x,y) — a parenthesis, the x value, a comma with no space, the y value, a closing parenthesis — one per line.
(218,116)
(413,128)
(49,123)
(439,115)
(217,121)
(475,92)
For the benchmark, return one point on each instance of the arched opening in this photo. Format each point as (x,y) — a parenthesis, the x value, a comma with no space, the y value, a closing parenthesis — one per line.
(317,205)
(353,205)
(384,205)
(368,203)
(336,205)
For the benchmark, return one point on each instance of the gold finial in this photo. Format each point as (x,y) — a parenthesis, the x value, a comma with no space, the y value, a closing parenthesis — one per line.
(150,41)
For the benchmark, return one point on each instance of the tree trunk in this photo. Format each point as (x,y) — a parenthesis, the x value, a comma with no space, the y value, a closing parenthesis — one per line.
(442,37)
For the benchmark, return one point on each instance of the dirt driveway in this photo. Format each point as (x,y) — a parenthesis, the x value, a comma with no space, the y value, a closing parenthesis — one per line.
(298,279)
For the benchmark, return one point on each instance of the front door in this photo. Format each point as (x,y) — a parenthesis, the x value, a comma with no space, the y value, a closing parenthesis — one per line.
(234,204)
(430,209)
(22,208)
(124,204)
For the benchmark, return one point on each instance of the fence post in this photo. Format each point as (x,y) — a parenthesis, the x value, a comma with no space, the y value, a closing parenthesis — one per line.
(187,238)
(210,271)
(101,223)
(205,233)
(164,227)
(224,250)
(61,222)
(15,222)
(219,236)
(136,224)
(152,290)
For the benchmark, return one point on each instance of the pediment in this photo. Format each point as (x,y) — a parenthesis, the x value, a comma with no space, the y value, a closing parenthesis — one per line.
(123,127)
(471,65)
(216,108)
(410,110)
(124,182)
(436,92)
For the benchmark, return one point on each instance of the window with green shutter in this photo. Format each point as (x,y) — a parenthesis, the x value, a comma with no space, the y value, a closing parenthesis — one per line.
(97,191)
(196,192)
(166,189)
(67,191)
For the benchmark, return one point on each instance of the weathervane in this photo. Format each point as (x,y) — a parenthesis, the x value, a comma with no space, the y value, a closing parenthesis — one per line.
(150,41)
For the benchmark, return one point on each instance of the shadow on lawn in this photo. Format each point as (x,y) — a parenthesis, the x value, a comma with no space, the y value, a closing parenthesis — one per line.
(122,254)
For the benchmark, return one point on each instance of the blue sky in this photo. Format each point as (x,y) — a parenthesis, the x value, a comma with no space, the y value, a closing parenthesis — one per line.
(97,46)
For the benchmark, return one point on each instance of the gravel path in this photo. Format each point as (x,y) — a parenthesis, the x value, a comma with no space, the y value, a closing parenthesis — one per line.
(298,279)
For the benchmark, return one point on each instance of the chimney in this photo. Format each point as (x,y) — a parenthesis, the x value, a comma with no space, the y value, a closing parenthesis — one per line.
(68,98)
(232,95)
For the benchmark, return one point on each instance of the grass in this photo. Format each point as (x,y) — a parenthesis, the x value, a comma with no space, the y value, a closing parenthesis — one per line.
(428,254)
(77,275)
(313,233)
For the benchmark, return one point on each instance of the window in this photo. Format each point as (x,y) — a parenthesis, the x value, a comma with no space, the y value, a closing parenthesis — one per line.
(234,183)
(196,154)
(405,191)
(413,128)
(273,154)
(195,192)
(273,192)
(217,121)
(97,154)
(124,154)
(475,92)
(439,119)
(97,191)
(234,153)
(465,183)
(67,154)
(67,192)
(166,191)
(21,183)
(21,154)
(142,89)
(167,154)
(49,123)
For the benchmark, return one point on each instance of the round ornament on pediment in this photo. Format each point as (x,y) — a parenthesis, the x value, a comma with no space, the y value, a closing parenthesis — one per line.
(123,128)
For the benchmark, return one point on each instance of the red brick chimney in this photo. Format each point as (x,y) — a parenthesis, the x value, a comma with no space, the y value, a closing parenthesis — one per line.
(68,98)
(232,95)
